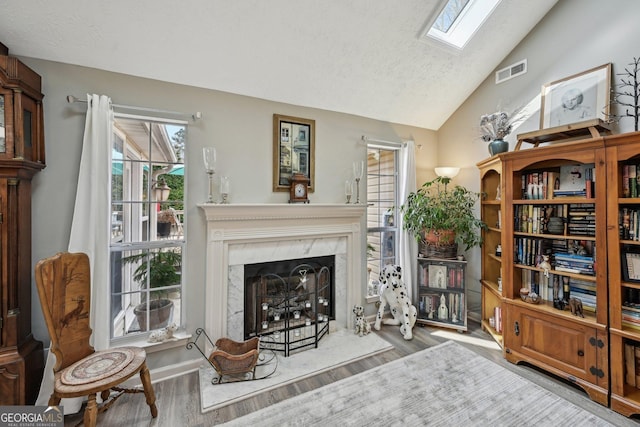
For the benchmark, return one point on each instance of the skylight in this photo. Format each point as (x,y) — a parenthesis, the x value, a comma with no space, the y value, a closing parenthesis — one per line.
(459,20)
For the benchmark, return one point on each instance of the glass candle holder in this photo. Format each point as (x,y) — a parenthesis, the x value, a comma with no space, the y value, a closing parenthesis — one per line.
(320,300)
(276,335)
(307,304)
(296,333)
(210,158)
(307,322)
(276,317)
(224,189)
(348,190)
(296,314)
(320,318)
(265,324)
(265,306)
(325,303)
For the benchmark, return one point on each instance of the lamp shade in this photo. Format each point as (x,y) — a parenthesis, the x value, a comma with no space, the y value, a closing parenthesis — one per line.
(447,171)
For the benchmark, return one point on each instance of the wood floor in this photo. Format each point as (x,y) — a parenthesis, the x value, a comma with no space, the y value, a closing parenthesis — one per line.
(178,399)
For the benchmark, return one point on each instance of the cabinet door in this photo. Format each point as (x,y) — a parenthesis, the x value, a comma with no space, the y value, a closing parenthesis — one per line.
(12,382)
(573,350)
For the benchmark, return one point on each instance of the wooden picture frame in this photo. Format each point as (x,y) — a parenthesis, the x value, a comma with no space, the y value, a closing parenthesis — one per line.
(630,259)
(578,98)
(294,141)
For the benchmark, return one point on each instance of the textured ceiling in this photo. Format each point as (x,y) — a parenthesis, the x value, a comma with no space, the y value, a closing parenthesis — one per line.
(359,57)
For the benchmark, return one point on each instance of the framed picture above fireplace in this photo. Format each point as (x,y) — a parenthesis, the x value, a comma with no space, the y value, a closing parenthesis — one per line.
(294,142)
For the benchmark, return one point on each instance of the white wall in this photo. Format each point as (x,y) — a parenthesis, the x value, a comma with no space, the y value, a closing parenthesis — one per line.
(576,35)
(240,127)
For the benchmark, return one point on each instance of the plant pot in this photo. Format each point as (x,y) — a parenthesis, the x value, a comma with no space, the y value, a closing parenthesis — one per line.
(160,311)
(439,244)
(439,237)
(498,146)
(164,229)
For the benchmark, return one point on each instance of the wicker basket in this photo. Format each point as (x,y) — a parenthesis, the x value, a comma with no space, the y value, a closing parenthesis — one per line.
(438,251)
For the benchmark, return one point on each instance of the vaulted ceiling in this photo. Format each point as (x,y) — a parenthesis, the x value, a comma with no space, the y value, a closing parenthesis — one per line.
(360,57)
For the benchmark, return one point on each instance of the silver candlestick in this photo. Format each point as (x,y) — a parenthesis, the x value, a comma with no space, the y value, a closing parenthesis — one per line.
(358,170)
(209,156)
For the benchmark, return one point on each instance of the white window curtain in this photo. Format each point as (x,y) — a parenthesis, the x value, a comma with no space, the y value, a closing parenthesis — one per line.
(90,229)
(407,247)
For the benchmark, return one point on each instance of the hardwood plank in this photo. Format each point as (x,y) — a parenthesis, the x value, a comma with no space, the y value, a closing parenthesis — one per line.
(178,399)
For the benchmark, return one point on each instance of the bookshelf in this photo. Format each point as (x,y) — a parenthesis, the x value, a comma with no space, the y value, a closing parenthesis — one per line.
(491,186)
(540,217)
(442,299)
(623,244)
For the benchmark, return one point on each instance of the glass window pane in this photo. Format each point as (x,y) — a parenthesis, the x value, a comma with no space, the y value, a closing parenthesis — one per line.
(147,223)
(381,212)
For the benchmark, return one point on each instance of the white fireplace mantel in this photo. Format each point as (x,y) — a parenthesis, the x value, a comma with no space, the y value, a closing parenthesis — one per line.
(247,233)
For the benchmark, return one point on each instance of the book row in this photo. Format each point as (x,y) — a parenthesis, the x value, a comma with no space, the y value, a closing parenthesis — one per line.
(560,287)
(574,256)
(630,184)
(632,364)
(444,307)
(566,181)
(629,223)
(441,276)
(577,219)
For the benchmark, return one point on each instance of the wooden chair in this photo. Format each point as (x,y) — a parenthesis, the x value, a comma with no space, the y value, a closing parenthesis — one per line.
(63,283)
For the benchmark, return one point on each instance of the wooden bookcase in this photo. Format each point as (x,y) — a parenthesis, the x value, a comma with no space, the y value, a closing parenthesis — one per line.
(442,297)
(623,152)
(491,208)
(573,347)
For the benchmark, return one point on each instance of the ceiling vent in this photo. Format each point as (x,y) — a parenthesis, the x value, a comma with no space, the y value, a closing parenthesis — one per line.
(511,71)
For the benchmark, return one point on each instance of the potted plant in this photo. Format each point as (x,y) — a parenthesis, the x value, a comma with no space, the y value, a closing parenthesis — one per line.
(165,219)
(440,218)
(160,270)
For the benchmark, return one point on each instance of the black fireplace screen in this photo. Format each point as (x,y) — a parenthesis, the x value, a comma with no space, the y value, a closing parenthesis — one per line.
(289,297)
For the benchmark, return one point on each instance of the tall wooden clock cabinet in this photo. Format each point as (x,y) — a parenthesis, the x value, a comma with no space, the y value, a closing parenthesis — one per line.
(21,157)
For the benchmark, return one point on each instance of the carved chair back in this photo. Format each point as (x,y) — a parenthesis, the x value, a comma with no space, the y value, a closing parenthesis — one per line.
(64,287)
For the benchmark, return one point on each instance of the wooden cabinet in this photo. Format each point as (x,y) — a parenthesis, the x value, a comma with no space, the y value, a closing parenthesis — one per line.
(21,157)
(442,298)
(491,187)
(623,205)
(543,222)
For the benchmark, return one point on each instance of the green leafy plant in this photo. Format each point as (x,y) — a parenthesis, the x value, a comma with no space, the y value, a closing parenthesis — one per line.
(436,207)
(161,269)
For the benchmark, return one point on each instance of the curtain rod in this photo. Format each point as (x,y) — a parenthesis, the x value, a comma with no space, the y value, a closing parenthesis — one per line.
(196,116)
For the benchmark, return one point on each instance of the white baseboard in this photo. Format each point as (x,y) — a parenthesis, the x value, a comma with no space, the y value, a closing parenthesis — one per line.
(167,372)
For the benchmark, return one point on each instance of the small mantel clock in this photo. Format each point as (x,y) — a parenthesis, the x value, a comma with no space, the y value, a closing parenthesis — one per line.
(21,157)
(299,190)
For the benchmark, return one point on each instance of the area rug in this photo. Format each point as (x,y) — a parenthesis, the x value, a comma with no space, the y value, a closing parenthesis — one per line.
(338,348)
(445,385)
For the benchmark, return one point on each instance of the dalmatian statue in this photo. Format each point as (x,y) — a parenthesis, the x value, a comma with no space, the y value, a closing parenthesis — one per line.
(362,326)
(394,292)
(164,334)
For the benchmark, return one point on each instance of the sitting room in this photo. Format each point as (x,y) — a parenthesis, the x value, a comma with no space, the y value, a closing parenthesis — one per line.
(286,213)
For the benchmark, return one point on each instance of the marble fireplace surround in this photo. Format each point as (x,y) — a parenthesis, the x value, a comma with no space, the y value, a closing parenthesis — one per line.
(239,234)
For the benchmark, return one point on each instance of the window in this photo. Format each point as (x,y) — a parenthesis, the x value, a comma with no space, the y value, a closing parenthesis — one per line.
(147,225)
(459,20)
(382,195)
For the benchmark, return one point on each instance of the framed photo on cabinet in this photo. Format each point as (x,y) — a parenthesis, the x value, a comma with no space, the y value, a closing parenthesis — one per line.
(630,264)
(577,98)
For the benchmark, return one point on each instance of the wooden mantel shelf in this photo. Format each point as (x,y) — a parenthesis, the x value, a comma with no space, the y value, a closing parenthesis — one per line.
(587,129)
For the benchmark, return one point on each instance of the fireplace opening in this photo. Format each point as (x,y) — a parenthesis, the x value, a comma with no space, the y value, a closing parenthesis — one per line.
(289,303)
